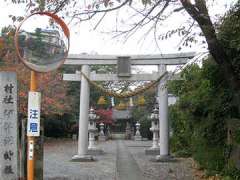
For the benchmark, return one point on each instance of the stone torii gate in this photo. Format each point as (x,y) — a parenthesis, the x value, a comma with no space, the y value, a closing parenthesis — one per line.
(85,61)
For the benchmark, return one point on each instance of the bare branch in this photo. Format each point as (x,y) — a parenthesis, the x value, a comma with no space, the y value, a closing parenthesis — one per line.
(103,10)
(60,6)
(155,34)
(95,27)
(178,9)
(141,23)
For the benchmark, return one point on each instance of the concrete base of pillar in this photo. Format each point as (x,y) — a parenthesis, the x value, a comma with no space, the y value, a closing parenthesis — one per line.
(95,151)
(164,158)
(82,158)
(152,151)
(138,138)
(102,138)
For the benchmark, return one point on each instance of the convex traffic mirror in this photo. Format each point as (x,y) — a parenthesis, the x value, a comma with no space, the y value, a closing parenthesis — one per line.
(42,41)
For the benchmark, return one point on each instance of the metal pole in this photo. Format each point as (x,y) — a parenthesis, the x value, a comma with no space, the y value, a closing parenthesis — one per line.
(31,139)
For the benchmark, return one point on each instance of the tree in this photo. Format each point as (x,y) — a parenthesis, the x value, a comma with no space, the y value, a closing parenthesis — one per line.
(154,11)
(199,12)
(200,119)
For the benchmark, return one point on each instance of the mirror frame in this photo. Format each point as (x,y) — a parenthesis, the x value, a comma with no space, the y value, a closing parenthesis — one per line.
(59,21)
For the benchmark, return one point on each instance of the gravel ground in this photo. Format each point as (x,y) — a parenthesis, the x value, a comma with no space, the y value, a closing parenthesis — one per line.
(58,153)
(57,164)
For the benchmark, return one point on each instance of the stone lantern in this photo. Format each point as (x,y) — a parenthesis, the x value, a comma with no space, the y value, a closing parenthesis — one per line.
(92,149)
(155,127)
(102,136)
(128,130)
(138,136)
(154,117)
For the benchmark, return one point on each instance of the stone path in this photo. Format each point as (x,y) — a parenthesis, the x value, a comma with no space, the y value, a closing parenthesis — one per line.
(123,160)
(127,167)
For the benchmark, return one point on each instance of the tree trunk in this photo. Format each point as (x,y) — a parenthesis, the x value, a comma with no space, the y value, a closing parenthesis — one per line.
(200,14)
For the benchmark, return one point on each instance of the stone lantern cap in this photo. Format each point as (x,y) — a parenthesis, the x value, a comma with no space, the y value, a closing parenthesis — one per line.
(154,129)
(92,115)
(155,110)
(137,124)
(154,115)
(92,129)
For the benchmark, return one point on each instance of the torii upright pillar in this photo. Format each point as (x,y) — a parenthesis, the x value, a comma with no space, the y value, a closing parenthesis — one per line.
(163,117)
(83,119)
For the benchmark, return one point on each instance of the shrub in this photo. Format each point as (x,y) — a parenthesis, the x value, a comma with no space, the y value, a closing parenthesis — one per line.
(57,125)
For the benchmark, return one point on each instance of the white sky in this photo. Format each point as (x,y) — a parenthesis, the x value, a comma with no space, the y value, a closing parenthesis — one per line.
(85,40)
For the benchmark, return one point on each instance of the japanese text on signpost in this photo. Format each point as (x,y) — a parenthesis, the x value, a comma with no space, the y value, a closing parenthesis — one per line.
(8,126)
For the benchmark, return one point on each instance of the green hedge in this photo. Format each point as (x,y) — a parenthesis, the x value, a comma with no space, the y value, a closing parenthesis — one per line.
(58,125)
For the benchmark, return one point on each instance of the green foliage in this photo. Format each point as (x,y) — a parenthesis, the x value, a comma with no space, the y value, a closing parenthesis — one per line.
(141,113)
(199,119)
(237,136)
(182,131)
(144,129)
(74,91)
(229,35)
(58,125)
(209,157)
(231,172)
